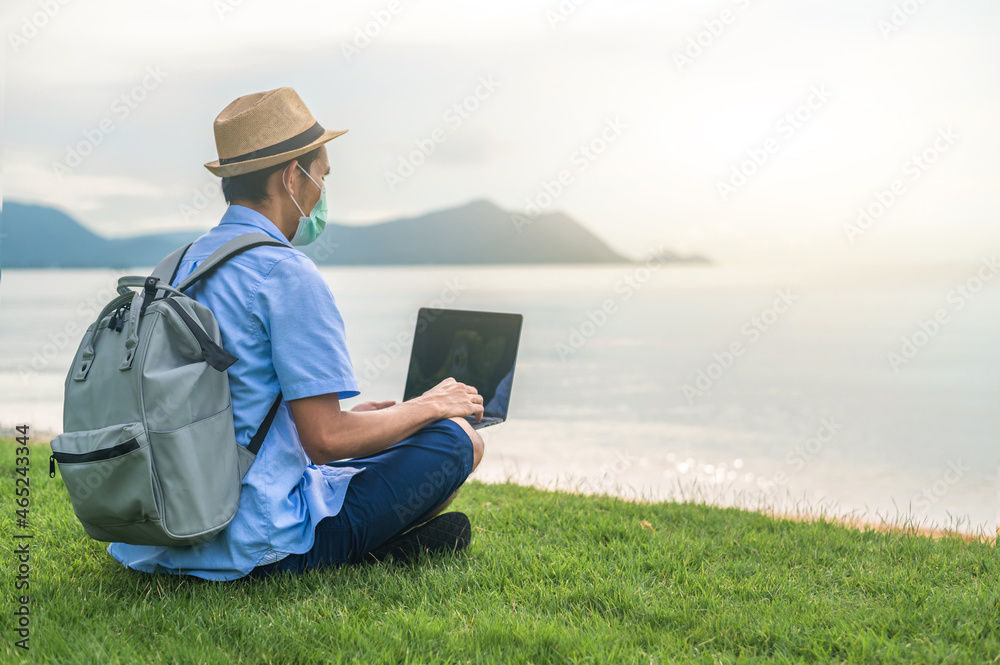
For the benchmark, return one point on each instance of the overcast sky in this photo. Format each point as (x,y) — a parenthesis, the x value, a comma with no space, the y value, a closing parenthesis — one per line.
(882,95)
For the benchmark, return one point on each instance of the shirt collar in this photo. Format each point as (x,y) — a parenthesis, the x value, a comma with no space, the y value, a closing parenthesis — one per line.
(237,214)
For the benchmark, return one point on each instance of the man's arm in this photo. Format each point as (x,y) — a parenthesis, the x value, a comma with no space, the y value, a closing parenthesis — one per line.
(329,434)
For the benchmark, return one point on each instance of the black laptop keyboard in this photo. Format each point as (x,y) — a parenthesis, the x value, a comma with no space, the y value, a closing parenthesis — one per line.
(485,422)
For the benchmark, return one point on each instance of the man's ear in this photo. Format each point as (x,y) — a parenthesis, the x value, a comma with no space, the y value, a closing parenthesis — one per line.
(285,178)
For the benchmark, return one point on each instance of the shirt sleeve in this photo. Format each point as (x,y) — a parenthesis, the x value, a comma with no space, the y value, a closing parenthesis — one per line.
(303,324)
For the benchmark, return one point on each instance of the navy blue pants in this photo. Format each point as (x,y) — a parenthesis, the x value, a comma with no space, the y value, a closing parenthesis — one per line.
(399,487)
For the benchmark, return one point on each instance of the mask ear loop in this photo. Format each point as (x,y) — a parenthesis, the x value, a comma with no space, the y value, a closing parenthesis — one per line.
(309,176)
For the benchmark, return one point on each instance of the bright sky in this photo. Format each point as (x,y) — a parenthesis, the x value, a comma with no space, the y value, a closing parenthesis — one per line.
(826,106)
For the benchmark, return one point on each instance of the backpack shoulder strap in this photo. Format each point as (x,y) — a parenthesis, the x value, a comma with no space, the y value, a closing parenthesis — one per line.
(232,248)
(166,269)
(258,437)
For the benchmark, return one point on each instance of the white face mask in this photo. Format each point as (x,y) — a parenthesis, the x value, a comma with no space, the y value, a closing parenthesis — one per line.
(310,227)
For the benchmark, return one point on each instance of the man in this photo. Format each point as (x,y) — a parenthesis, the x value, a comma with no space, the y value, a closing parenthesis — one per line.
(302,504)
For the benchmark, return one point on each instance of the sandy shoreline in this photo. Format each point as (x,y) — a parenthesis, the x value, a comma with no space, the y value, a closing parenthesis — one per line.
(900,524)
(883,527)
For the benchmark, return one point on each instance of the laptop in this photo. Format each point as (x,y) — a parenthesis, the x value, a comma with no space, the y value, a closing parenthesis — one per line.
(475,348)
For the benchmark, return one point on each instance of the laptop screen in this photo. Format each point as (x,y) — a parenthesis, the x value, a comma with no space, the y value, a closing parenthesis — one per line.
(476,348)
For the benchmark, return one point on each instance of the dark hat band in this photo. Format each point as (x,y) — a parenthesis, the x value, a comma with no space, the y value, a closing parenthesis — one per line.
(294,143)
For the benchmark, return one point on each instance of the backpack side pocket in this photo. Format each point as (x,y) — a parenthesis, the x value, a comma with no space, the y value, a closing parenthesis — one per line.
(108,473)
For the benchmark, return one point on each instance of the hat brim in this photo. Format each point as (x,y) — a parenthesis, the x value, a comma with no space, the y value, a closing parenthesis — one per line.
(251,165)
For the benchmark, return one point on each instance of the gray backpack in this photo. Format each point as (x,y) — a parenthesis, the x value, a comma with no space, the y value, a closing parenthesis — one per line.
(149,453)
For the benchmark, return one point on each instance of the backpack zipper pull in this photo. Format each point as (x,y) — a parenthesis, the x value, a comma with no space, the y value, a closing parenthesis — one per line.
(121,316)
(52,466)
(116,321)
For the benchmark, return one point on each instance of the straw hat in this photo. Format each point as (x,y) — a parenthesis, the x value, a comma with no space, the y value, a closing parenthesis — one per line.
(264,129)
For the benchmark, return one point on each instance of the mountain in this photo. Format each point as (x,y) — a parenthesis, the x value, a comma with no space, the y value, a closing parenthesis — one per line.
(479,232)
(33,236)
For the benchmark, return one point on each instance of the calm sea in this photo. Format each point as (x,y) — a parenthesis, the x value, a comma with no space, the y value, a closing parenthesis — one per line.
(867,390)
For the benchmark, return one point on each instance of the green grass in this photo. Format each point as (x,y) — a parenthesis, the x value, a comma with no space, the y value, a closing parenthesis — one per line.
(549,578)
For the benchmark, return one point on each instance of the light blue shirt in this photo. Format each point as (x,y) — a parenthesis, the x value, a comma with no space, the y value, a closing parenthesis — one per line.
(278,316)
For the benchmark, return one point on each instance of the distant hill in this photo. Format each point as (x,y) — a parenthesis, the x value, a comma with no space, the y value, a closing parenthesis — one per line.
(479,232)
(33,236)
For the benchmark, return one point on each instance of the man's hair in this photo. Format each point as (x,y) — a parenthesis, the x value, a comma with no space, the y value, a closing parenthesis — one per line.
(252,187)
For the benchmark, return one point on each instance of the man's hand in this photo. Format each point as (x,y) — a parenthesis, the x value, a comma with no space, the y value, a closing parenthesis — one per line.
(454,399)
(374,406)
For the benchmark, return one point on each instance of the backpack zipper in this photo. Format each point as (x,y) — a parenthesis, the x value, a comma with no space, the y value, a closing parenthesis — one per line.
(93,456)
(117,321)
